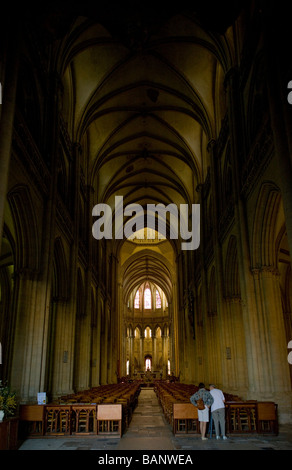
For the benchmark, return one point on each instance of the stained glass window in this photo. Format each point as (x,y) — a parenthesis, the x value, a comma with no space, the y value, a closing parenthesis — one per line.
(137,299)
(148,332)
(147,298)
(148,364)
(158,300)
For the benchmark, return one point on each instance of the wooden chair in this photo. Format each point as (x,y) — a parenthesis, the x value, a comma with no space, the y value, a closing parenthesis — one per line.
(84,419)
(33,417)
(267,419)
(109,420)
(58,420)
(241,417)
(185,418)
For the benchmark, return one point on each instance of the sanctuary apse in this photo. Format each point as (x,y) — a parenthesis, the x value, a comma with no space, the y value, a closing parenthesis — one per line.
(183,104)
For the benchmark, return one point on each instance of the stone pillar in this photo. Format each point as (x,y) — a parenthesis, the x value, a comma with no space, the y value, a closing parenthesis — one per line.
(25,359)
(103,346)
(274,380)
(154,352)
(121,346)
(115,320)
(98,335)
(131,358)
(173,331)
(142,349)
(9,88)
(163,353)
(34,302)
(280,110)
(247,289)
(235,354)
(60,350)
(72,301)
(202,305)
(219,275)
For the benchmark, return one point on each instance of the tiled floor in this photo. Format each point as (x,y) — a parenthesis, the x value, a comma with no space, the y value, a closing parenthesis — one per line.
(149,430)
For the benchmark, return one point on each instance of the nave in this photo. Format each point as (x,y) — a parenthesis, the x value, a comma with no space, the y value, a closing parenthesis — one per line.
(149,430)
(145,109)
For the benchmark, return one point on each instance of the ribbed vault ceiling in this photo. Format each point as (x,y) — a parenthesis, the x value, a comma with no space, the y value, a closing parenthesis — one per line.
(143,94)
(146,116)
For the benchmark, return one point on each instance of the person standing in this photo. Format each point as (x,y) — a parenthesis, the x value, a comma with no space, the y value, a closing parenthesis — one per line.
(203,414)
(218,410)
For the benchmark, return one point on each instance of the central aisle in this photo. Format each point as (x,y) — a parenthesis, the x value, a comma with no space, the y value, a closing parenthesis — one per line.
(148,429)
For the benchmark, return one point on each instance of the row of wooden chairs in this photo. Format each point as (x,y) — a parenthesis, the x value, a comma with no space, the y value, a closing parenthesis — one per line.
(242,416)
(169,393)
(103,409)
(109,408)
(60,420)
(103,394)
(125,394)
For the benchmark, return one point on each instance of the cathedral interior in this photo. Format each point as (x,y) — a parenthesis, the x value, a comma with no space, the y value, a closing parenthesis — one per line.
(184,104)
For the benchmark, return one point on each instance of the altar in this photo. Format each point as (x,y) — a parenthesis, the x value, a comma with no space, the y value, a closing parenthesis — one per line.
(147,376)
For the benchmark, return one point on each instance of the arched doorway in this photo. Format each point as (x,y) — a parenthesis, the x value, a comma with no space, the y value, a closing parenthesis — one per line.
(147,349)
(147,312)
(148,363)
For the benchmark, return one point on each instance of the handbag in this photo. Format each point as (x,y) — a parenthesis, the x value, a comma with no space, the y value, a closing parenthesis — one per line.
(200,404)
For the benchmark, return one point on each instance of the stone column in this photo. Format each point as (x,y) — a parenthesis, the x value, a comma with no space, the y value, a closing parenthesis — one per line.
(103,345)
(202,306)
(235,357)
(131,358)
(34,308)
(283,152)
(273,380)
(115,320)
(9,88)
(142,350)
(98,335)
(72,301)
(249,309)
(60,350)
(154,352)
(220,315)
(24,376)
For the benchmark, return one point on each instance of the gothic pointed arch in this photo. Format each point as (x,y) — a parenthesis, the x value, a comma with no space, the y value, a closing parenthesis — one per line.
(266,226)
(232,287)
(212,298)
(80,305)
(60,270)
(27,255)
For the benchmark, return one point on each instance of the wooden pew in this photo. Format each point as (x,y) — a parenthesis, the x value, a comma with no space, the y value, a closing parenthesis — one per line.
(32,419)
(57,420)
(185,418)
(83,419)
(241,417)
(109,420)
(267,418)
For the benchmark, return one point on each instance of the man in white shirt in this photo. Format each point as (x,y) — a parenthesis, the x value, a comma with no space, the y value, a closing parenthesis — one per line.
(218,410)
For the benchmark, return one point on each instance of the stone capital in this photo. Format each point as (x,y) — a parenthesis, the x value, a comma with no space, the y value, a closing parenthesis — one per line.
(211,145)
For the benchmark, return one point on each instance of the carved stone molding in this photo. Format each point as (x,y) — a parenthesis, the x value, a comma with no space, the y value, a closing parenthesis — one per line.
(267,271)
(233,299)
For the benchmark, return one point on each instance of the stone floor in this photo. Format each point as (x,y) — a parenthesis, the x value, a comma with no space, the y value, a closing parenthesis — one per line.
(150,431)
